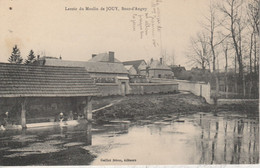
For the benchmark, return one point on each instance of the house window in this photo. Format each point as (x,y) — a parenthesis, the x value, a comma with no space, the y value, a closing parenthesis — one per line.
(159,75)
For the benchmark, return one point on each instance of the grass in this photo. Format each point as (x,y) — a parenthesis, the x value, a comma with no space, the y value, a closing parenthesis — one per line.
(138,107)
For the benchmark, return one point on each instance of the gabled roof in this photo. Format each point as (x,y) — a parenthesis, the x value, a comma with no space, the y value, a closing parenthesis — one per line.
(18,80)
(128,67)
(135,63)
(102,57)
(92,67)
(155,64)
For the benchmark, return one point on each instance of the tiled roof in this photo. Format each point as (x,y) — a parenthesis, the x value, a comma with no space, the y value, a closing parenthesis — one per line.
(155,64)
(93,67)
(102,57)
(45,81)
(135,63)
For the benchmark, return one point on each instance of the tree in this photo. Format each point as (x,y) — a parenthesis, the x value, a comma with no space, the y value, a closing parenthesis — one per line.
(199,51)
(253,20)
(30,59)
(232,10)
(15,57)
(225,48)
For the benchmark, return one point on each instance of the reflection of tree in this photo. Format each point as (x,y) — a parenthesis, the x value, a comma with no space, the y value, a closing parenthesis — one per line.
(242,147)
(237,141)
(225,143)
(249,145)
(255,147)
(214,144)
(240,130)
(202,158)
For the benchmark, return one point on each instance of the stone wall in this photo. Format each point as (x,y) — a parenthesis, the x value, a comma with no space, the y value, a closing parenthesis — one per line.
(137,88)
(149,88)
(108,89)
(198,88)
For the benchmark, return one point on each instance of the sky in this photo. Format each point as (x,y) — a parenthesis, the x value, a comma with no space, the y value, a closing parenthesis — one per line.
(49,29)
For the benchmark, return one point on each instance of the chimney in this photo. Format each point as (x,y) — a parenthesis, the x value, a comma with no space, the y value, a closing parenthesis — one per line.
(161,60)
(151,60)
(38,56)
(93,55)
(111,56)
(60,57)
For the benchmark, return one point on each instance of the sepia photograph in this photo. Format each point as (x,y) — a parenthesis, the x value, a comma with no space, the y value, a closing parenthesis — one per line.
(129,82)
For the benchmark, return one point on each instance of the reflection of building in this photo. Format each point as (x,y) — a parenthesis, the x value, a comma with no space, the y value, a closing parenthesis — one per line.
(156,69)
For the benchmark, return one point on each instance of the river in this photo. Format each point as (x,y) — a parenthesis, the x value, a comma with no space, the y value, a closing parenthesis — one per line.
(201,138)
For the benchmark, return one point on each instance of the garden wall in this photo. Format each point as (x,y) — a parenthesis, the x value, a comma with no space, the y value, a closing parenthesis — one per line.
(198,88)
(149,88)
(108,89)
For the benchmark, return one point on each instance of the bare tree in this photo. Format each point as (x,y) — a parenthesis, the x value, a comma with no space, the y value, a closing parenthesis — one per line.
(232,10)
(225,48)
(253,20)
(253,13)
(199,51)
(212,26)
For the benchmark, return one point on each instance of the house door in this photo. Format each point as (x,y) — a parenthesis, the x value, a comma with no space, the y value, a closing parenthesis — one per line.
(123,88)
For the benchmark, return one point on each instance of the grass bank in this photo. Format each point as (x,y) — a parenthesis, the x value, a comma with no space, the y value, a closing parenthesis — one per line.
(139,107)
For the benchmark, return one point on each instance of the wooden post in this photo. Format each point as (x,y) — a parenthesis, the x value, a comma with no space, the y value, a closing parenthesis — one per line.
(73,103)
(23,114)
(88,108)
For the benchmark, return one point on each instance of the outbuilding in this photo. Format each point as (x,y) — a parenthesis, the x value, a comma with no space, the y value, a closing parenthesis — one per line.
(30,92)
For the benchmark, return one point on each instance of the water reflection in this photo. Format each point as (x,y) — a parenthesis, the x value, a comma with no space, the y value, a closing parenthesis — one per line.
(231,141)
(201,138)
(24,145)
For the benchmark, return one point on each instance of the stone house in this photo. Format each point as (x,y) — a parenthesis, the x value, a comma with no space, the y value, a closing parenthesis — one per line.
(156,69)
(138,65)
(131,70)
(103,68)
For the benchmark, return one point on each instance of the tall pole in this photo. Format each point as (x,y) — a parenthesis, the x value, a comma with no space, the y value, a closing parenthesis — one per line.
(23,113)
(88,108)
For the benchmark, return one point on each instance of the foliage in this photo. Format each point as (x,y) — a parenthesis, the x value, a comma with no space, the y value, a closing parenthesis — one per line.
(30,58)
(15,57)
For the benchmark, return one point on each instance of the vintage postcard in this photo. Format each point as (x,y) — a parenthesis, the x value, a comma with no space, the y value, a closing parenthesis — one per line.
(129,82)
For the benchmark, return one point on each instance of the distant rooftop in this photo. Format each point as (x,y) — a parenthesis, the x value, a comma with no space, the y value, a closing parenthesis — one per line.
(155,64)
(93,67)
(104,57)
(135,63)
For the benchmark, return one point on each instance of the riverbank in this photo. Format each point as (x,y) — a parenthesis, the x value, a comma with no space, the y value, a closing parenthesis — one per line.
(155,106)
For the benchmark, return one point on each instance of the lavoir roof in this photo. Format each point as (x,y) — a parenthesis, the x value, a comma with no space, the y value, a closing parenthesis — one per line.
(18,80)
